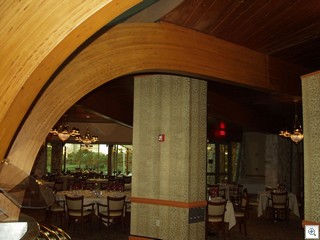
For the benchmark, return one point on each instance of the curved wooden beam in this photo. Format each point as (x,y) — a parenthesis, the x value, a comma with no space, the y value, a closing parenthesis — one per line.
(38,37)
(135,48)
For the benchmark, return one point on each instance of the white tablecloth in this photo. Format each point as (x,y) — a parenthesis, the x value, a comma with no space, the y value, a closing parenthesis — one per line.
(229,216)
(263,203)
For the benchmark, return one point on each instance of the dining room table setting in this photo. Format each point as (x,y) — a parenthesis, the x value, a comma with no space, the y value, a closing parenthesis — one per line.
(264,199)
(93,196)
(229,215)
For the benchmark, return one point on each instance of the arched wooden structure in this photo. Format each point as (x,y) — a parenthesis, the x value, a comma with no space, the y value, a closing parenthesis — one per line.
(36,37)
(122,51)
(44,34)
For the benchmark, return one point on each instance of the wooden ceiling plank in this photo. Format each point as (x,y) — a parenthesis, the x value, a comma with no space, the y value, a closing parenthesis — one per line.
(215,12)
(272,27)
(234,25)
(268,20)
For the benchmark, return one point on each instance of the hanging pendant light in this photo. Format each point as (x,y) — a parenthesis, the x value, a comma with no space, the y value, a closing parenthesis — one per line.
(63,131)
(87,139)
(297,133)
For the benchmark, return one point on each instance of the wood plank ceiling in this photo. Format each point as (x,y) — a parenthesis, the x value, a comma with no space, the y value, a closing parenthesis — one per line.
(285,29)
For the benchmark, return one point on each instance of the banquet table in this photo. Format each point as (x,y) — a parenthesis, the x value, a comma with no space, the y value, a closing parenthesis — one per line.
(265,196)
(229,216)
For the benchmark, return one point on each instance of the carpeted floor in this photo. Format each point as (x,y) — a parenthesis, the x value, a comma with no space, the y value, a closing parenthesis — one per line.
(258,229)
(264,228)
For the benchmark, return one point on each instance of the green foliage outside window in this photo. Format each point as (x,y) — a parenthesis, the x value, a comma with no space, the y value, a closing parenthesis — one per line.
(85,160)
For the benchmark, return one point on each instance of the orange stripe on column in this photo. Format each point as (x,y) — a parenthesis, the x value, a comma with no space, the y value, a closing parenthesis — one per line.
(168,202)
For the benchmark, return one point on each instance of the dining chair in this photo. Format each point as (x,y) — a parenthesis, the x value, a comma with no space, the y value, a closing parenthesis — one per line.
(127,207)
(215,217)
(113,212)
(56,210)
(76,186)
(104,186)
(269,189)
(242,211)
(300,200)
(77,211)
(279,205)
(127,179)
(70,182)
(236,193)
(89,185)
(119,187)
(58,185)
(222,192)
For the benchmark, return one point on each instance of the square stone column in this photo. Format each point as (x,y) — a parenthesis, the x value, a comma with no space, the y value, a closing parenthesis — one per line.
(169,176)
(311,129)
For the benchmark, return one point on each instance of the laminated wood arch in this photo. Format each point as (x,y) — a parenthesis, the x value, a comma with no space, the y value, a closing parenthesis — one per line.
(135,48)
(37,36)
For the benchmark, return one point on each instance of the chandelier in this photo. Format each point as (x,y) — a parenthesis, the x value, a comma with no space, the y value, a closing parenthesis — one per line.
(297,133)
(64,133)
(87,139)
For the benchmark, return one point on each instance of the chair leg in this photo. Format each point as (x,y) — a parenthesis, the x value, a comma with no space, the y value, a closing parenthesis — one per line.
(47,217)
(63,217)
(245,228)
(224,230)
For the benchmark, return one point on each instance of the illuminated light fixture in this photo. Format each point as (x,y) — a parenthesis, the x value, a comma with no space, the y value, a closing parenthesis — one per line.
(297,132)
(87,139)
(64,133)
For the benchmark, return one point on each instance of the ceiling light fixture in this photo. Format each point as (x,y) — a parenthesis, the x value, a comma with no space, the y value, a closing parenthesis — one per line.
(297,133)
(87,139)
(63,131)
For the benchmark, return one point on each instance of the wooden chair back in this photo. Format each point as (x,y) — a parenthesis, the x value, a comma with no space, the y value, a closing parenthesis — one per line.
(279,199)
(216,210)
(58,185)
(74,203)
(89,185)
(116,206)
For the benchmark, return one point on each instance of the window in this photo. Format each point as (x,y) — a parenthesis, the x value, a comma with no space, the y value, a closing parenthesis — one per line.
(74,157)
(222,162)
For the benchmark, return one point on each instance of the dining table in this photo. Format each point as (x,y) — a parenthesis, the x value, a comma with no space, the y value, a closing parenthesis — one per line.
(93,196)
(264,197)
(229,215)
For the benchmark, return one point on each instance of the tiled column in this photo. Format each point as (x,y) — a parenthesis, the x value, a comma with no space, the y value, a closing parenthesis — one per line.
(56,157)
(271,160)
(168,177)
(311,128)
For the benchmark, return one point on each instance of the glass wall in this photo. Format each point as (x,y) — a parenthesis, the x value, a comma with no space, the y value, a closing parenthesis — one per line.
(211,163)
(77,157)
(122,159)
(222,162)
